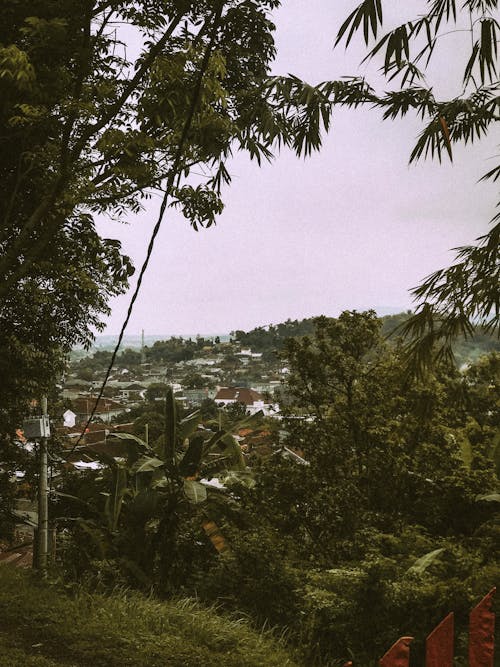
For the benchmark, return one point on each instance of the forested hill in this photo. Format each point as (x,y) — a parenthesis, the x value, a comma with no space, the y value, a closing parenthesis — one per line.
(272,337)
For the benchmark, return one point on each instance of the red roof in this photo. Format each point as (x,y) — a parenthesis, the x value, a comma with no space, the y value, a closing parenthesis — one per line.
(78,429)
(238,394)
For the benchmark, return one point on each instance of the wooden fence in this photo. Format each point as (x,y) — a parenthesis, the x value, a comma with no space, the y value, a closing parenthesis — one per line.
(440,643)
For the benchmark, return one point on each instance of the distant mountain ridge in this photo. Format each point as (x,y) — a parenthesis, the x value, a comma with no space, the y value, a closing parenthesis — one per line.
(267,338)
(134,341)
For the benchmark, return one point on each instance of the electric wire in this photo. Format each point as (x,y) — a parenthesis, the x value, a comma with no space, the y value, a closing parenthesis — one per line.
(168,188)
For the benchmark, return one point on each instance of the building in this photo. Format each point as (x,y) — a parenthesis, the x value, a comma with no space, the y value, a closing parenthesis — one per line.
(133,392)
(251,399)
(106,408)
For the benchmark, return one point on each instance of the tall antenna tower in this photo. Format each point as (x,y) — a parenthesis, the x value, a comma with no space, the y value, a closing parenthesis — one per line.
(143,352)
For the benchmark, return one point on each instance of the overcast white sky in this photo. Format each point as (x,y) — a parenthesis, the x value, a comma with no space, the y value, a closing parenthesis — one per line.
(351,227)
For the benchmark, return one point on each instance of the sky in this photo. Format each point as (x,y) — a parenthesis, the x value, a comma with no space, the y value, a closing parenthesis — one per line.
(352,227)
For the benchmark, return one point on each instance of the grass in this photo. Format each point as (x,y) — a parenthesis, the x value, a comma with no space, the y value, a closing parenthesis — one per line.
(42,626)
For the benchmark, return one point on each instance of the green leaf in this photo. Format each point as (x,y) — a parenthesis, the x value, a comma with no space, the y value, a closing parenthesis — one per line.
(28,518)
(495,455)
(114,501)
(466,452)
(129,437)
(195,492)
(87,505)
(470,63)
(170,426)
(489,498)
(146,464)
(230,452)
(421,565)
(249,420)
(488,49)
(128,446)
(369,13)
(188,425)
(245,477)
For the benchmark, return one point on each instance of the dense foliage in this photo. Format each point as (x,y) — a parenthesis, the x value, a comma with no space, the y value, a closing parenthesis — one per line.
(386,523)
(392,522)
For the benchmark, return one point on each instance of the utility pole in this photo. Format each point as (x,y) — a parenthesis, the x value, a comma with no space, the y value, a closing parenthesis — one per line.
(38,429)
(43,510)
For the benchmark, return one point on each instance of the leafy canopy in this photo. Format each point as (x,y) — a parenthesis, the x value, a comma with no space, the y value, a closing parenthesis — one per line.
(451,301)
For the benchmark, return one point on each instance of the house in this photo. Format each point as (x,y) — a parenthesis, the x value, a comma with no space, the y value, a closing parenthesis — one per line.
(251,399)
(248,353)
(134,391)
(106,408)
(73,387)
(228,395)
(195,396)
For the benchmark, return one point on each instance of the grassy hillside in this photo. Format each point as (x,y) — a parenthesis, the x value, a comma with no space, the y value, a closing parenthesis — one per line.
(43,627)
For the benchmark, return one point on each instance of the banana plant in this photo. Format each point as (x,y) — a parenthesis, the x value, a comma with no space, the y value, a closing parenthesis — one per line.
(184,455)
(152,487)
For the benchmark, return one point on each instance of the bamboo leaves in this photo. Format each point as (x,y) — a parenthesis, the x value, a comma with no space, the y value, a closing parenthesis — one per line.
(484,52)
(488,49)
(368,13)
(457,299)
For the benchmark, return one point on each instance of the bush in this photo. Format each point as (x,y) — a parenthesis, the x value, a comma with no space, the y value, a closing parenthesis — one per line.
(257,578)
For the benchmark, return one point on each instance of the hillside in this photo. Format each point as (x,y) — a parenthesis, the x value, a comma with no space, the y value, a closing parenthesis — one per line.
(42,627)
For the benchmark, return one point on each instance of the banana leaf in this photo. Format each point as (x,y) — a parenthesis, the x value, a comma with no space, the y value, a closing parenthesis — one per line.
(195,492)
(146,464)
(244,477)
(421,565)
(190,463)
(188,425)
(489,498)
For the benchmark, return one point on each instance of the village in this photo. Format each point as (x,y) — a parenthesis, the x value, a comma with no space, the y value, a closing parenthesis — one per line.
(223,380)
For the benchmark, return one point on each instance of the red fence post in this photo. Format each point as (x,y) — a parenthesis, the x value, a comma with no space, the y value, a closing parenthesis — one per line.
(482,633)
(398,655)
(439,644)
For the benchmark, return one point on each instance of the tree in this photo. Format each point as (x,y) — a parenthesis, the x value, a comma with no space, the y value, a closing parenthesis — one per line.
(344,383)
(194,380)
(83,134)
(454,300)
(208,409)
(88,129)
(235,412)
(374,440)
(156,391)
(129,358)
(387,519)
